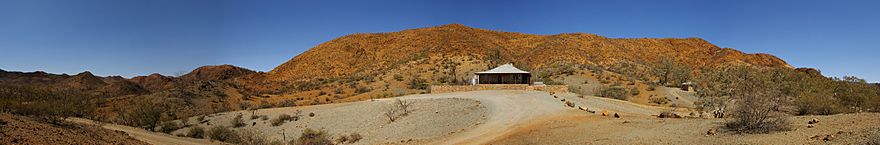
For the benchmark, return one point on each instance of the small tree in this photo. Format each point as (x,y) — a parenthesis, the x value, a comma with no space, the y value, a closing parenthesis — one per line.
(144,113)
(670,72)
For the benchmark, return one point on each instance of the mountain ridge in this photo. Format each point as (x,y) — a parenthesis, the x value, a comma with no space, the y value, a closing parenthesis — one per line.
(375,52)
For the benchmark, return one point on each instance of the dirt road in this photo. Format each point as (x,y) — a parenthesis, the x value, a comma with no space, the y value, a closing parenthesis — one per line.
(148,136)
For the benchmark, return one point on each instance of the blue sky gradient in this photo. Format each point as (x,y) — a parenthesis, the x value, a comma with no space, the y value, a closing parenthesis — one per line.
(139,37)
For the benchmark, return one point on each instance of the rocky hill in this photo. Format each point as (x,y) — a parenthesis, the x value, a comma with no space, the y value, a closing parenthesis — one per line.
(371,53)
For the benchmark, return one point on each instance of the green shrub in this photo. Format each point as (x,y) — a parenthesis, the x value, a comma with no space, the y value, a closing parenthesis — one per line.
(614,92)
(634,91)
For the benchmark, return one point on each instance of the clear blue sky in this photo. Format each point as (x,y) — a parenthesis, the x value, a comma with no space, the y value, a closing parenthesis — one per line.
(139,37)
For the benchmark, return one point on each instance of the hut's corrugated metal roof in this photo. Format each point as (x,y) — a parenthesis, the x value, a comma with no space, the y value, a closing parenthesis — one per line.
(504,69)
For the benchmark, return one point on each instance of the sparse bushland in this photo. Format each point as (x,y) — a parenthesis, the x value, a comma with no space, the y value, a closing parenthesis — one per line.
(397,109)
(51,105)
(805,94)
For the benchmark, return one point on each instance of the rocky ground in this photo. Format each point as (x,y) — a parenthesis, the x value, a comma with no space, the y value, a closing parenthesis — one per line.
(26,130)
(596,129)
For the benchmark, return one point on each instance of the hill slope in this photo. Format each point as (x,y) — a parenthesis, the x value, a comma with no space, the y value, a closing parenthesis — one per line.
(375,52)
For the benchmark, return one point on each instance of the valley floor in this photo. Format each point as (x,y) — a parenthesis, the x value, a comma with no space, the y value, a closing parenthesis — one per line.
(530,117)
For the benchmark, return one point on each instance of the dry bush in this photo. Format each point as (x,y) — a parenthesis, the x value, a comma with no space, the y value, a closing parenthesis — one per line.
(221,133)
(667,114)
(314,137)
(282,119)
(169,126)
(658,100)
(342,139)
(250,137)
(397,109)
(287,103)
(361,89)
(237,121)
(196,132)
(354,137)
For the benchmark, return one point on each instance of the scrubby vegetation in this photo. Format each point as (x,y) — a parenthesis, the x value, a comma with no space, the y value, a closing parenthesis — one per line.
(49,104)
(764,96)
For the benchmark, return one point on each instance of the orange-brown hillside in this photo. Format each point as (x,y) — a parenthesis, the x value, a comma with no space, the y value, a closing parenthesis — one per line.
(377,52)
